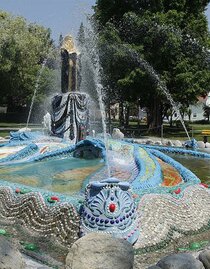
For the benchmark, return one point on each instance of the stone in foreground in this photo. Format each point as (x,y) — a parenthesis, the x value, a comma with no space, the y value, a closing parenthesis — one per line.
(10,257)
(154,267)
(180,261)
(100,251)
(204,257)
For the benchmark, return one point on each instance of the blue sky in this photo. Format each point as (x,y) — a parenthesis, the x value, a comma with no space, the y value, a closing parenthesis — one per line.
(62,16)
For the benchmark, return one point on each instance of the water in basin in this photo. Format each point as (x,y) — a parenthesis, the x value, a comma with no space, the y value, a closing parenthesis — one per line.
(199,166)
(61,175)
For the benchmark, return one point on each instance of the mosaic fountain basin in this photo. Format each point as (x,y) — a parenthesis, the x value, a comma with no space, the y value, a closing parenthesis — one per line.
(153,197)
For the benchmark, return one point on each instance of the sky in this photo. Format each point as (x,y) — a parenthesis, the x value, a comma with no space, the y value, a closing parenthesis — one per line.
(61,16)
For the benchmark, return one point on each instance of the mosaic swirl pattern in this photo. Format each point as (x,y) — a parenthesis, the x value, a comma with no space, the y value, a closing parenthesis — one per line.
(61,220)
(169,201)
(161,215)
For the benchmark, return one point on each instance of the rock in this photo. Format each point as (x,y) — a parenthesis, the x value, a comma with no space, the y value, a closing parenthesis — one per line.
(154,267)
(207,145)
(10,257)
(149,141)
(117,134)
(169,143)
(158,143)
(204,257)
(201,144)
(25,129)
(100,251)
(32,264)
(177,143)
(180,261)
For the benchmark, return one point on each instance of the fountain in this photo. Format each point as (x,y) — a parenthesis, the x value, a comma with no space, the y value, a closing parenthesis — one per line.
(57,184)
(35,92)
(69,117)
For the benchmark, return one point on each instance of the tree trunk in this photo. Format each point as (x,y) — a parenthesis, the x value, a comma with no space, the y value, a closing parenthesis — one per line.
(171,120)
(121,114)
(127,114)
(155,119)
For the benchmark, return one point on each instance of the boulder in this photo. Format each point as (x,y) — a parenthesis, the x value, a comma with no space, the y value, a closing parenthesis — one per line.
(169,143)
(201,144)
(204,257)
(158,143)
(117,134)
(33,264)
(207,145)
(24,129)
(154,267)
(180,261)
(10,257)
(100,251)
(149,141)
(177,143)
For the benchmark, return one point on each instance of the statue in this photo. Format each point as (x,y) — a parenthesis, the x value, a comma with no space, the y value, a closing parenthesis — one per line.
(70,115)
(69,65)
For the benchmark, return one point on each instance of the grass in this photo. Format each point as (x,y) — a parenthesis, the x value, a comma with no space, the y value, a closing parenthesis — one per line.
(174,132)
(139,131)
(17,125)
(194,131)
(4,133)
(12,126)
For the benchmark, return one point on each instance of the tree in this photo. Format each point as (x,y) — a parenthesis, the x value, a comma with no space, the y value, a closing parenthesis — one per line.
(23,49)
(170,37)
(81,36)
(206,112)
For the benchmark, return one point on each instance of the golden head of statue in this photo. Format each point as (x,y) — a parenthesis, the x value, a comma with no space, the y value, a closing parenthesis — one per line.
(68,44)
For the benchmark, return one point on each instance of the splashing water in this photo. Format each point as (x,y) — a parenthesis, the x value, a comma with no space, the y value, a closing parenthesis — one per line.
(35,90)
(160,84)
(164,89)
(91,55)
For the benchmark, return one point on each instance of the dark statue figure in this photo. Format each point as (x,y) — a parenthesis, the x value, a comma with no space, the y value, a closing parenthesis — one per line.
(64,71)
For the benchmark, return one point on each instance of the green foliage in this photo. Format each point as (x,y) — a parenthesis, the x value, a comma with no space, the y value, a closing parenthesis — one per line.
(81,35)
(23,48)
(172,36)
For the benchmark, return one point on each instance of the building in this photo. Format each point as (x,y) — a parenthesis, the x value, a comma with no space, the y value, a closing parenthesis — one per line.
(197,110)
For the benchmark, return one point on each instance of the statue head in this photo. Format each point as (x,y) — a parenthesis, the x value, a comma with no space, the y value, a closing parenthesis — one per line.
(68,44)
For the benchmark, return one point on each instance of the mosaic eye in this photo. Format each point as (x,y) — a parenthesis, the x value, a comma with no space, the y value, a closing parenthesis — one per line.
(112,207)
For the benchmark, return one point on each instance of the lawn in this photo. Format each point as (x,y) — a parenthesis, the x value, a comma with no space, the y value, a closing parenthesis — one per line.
(5,127)
(194,130)
(133,130)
